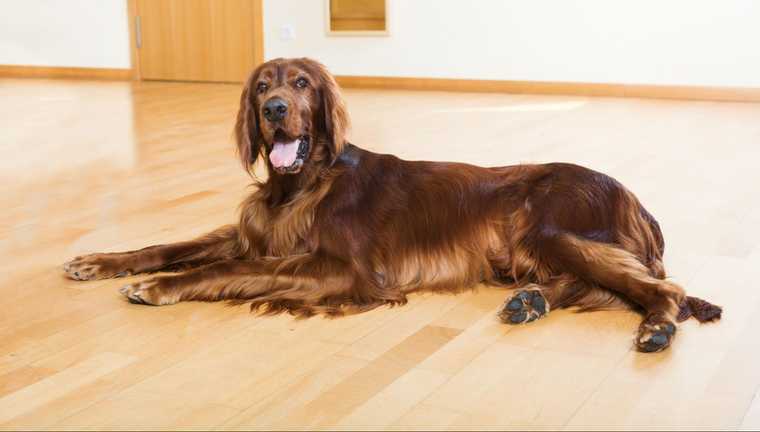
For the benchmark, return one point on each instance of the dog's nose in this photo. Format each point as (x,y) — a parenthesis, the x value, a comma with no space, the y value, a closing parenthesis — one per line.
(275,109)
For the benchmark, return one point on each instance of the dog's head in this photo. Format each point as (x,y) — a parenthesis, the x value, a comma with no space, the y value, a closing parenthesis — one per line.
(291,113)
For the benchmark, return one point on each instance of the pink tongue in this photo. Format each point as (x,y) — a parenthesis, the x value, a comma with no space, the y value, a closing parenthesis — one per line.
(284,154)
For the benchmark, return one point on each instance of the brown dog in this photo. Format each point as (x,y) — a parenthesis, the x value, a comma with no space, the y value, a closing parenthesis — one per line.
(337,229)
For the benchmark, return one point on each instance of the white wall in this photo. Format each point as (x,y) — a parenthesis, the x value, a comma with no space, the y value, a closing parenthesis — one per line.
(77,33)
(688,42)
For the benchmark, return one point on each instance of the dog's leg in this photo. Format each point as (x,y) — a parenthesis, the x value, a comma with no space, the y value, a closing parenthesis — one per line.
(218,245)
(302,284)
(621,271)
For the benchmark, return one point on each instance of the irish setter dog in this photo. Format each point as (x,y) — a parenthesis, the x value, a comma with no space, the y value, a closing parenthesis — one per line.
(337,229)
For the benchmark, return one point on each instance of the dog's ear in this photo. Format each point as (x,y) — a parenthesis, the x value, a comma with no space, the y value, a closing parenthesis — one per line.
(249,142)
(336,120)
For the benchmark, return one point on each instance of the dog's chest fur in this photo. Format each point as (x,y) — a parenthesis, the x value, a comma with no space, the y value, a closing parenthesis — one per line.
(280,230)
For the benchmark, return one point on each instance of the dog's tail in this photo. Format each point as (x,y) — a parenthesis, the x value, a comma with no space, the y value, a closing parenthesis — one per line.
(702,310)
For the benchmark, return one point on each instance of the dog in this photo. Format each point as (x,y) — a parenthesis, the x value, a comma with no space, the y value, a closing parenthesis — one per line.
(336,229)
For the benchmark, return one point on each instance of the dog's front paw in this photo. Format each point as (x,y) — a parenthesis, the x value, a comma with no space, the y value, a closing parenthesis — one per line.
(95,266)
(655,334)
(148,292)
(525,306)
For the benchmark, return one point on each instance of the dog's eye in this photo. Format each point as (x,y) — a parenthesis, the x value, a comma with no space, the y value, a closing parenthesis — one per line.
(301,83)
(262,87)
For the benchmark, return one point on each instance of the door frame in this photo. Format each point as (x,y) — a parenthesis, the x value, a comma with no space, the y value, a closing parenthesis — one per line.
(133,12)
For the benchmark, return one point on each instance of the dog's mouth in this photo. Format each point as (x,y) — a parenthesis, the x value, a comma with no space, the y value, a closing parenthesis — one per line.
(288,154)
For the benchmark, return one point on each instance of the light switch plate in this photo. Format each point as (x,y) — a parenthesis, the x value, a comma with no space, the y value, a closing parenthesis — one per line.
(287,32)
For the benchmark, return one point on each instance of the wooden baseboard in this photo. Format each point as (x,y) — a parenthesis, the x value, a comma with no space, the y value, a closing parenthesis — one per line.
(65,72)
(704,93)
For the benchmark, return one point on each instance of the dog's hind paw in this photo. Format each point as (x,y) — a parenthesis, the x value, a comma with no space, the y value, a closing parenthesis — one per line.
(655,334)
(524,306)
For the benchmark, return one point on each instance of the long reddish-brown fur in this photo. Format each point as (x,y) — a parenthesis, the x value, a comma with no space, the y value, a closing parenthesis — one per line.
(346,230)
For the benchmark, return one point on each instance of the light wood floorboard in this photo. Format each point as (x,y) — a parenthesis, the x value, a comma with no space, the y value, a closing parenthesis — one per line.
(107,166)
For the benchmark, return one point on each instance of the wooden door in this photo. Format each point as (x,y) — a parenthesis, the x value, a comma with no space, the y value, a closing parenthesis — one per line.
(198,40)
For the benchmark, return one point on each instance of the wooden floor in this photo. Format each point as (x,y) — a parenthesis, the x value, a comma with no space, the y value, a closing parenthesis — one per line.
(91,167)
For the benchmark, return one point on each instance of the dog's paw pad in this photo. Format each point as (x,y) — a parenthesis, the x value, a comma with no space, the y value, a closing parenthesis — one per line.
(655,336)
(539,304)
(515,305)
(518,317)
(524,307)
